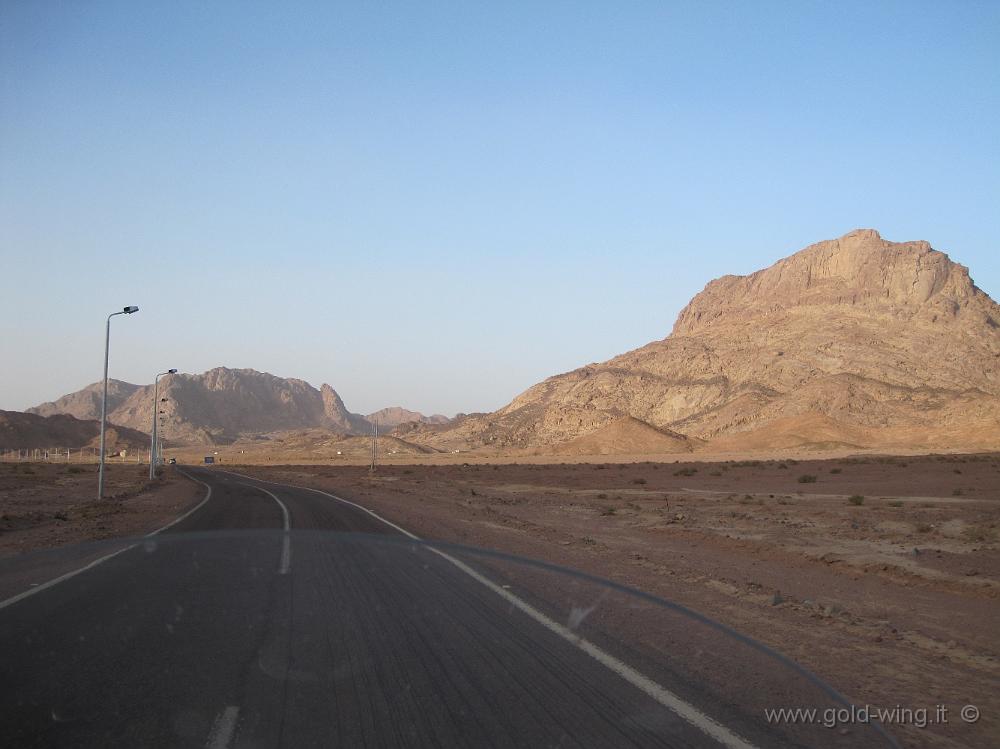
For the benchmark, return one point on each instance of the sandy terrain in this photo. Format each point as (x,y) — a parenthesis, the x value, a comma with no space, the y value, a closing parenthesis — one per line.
(894,598)
(44,505)
(880,573)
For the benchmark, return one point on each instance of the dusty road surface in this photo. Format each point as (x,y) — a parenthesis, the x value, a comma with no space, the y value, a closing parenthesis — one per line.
(271,615)
(880,574)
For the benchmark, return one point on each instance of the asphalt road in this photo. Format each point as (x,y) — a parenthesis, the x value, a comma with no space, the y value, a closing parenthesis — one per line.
(228,631)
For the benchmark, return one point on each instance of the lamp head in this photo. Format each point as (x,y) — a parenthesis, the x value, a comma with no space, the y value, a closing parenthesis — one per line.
(171,371)
(130,309)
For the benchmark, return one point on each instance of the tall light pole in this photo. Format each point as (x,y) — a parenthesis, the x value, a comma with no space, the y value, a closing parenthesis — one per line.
(104,400)
(156,406)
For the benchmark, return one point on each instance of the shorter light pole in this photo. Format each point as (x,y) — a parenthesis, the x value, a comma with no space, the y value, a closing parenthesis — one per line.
(104,400)
(153,457)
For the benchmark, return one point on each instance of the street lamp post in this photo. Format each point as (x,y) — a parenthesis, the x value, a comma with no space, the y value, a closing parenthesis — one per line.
(153,453)
(104,400)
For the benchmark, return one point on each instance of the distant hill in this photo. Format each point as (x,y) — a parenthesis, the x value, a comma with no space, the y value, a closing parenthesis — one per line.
(20,430)
(323,443)
(86,403)
(393,416)
(222,405)
(851,342)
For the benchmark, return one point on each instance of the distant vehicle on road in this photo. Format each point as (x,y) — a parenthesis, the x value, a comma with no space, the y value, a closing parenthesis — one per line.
(172,461)
(209,459)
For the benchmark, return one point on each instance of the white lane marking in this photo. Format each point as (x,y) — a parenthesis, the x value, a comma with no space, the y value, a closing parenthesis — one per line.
(332,496)
(286,545)
(175,521)
(661,694)
(73,573)
(55,581)
(223,728)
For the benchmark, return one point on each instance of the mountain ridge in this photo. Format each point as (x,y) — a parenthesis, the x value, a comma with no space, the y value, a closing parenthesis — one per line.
(26,431)
(219,406)
(868,333)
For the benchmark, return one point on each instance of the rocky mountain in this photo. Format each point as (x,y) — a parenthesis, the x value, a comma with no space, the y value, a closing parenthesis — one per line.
(26,431)
(221,405)
(855,341)
(394,416)
(625,436)
(86,403)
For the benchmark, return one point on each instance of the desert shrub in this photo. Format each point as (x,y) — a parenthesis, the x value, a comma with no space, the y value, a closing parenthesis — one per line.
(895,503)
(807,478)
(834,470)
(925,528)
(856,499)
(608,511)
(602,496)
(639,481)
(957,493)
(686,472)
(715,473)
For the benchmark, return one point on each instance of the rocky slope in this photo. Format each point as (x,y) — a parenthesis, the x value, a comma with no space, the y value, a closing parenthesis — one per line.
(25,431)
(221,405)
(394,416)
(86,403)
(855,341)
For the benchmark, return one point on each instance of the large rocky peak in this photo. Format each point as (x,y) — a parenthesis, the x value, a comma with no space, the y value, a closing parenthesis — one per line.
(859,270)
(854,341)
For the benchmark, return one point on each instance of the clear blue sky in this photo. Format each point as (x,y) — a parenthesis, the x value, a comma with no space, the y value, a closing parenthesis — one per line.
(437,205)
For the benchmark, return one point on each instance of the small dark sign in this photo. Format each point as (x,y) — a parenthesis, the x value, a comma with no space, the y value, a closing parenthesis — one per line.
(209,459)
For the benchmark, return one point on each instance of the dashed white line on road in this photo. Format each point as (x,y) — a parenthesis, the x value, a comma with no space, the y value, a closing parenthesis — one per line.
(223,728)
(661,694)
(286,544)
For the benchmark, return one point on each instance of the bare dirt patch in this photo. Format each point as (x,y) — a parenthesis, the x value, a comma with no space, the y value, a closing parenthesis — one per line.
(44,505)
(881,574)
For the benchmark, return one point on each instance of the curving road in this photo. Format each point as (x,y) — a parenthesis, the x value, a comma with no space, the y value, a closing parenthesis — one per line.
(268,635)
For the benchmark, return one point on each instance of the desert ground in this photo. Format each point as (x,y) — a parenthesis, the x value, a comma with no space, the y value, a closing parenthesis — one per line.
(46,505)
(880,573)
